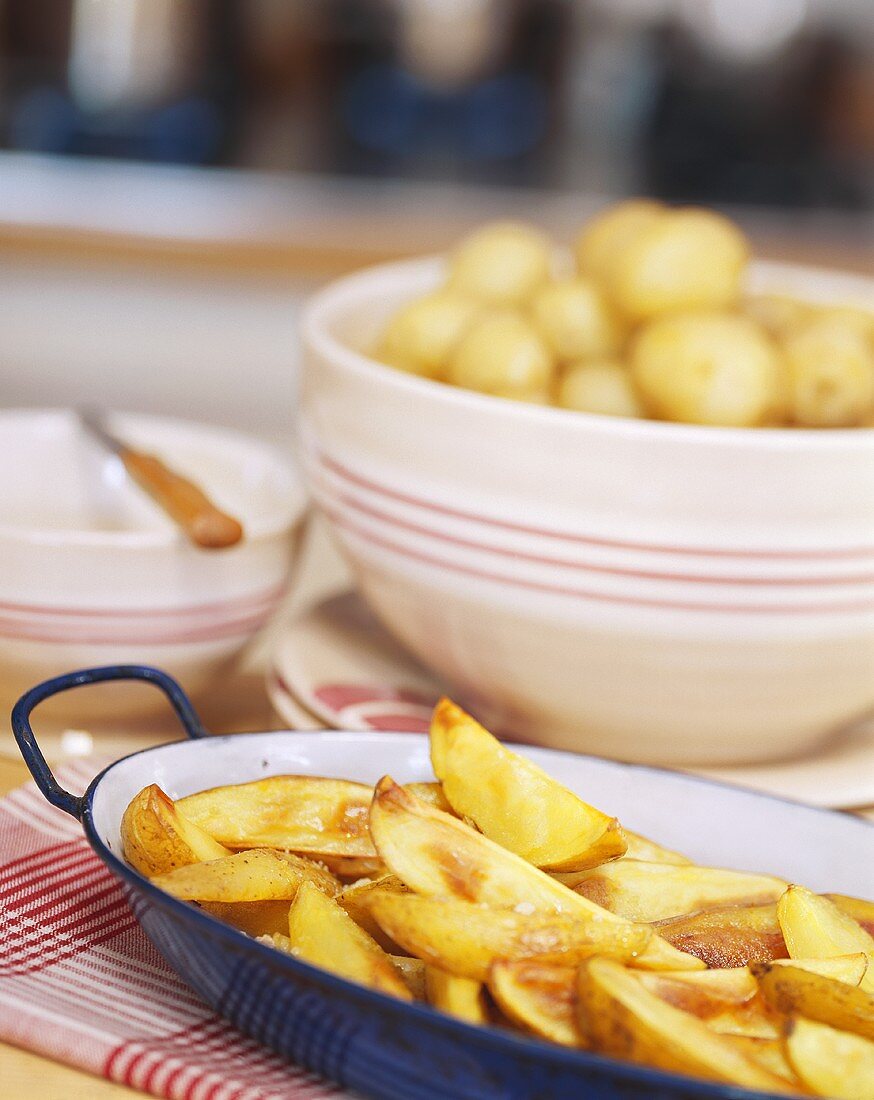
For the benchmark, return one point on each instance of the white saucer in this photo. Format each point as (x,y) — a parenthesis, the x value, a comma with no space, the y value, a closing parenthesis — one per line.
(336,666)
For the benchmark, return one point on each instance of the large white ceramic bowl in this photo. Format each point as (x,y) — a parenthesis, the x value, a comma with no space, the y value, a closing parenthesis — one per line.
(642,590)
(92,572)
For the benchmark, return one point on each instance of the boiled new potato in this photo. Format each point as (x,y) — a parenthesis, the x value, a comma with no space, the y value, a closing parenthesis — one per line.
(465,939)
(156,836)
(707,368)
(575,319)
(440,856)
(613,231)
(778,314)
(622,1018)
(514,802)
(686,259)
(501,353)
(422,335)
(501,264)
(324,935)
(830,373)
(830,1062)
(601,386)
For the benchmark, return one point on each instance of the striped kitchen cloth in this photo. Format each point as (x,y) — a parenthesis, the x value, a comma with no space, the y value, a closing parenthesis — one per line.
(80,983)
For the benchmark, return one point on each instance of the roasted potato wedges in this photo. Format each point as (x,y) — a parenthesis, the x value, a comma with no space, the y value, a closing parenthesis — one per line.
(463,998)
(515,803)
(831,1062)
(440,856)
(814,927)
(356,899)
(728,937)
(646,891)
(624,1019)
(497,896)
(323,934)
(297,813)
(256,875)
(793,991)
(466,939)
(157,837)
(539,998)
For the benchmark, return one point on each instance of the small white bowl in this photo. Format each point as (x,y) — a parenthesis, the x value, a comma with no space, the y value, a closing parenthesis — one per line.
(649,591)
(92,572)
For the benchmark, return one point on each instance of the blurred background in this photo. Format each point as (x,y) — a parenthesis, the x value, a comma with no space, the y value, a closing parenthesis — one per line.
(176,175)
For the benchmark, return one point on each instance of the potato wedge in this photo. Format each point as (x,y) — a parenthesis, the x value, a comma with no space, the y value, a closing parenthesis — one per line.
(857,908)
(466,939)
(438,855)
(322,933)
(641,847)
(850,969)
(157,837)
(256,875)
(728,937)
(352,868)
(658,891)
(793,991)
(727,1002)
(356,899)
(539,998)
(297,813)
(413,973)
(770,1053)
(515,803)
(814,927)
(831,1062)
(432,793)
(256,918)
(624,1019)
(463,998)
(703,992)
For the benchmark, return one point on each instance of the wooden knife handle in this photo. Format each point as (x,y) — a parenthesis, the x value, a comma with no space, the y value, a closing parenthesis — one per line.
(206,525)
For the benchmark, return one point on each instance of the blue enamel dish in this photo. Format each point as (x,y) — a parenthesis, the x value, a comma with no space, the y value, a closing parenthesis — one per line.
(369,1042)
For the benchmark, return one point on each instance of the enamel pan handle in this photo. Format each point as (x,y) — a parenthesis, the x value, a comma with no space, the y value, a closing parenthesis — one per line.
(31,751)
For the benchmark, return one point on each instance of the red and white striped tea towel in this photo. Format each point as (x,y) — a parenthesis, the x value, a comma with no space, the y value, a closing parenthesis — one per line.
(80,983)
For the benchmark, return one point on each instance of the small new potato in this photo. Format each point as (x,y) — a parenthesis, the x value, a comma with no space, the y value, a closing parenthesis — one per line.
(575,320)
(422,335)
(602,386)
(707,368)
(831,374)
(612,231)
(778,314)
(686,259)
(502,263)
(501,353)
